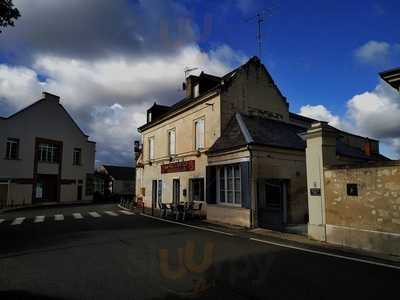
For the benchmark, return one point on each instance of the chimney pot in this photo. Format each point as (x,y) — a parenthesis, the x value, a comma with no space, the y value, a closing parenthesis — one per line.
(367,147)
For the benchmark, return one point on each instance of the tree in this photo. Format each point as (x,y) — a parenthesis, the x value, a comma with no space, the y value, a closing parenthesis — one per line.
(8,13)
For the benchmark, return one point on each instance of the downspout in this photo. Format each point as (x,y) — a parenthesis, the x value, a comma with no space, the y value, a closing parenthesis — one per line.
(252,203)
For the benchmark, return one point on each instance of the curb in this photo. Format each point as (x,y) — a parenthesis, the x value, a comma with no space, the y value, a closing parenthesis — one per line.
(305,240)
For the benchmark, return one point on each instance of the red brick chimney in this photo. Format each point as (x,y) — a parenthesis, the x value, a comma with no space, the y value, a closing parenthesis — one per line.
(367,147)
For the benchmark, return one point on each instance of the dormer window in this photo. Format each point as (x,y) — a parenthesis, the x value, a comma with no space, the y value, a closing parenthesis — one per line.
(196,91)
(149,117)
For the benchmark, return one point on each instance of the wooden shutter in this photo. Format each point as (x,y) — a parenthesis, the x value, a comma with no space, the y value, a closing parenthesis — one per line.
(245,174)
(211,186)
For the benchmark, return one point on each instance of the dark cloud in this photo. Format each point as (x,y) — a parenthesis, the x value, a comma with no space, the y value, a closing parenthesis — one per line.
(109,60)
(96,28)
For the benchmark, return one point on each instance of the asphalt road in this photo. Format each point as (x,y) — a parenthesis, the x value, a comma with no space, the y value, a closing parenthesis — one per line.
(106,254)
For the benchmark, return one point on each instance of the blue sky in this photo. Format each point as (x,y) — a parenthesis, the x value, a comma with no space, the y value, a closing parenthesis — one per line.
(110,60)
(309,46)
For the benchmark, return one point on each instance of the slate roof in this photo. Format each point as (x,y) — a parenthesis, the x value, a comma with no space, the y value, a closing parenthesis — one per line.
(225,80)
(274,133)
(120,173)
(263,131)
(344,149)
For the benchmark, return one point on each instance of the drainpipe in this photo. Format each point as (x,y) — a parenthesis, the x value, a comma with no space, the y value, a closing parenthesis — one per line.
(252,203)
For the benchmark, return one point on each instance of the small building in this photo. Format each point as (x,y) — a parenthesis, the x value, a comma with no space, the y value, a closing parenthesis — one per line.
(232,144)
(392,77)
(119,182)
(44,156)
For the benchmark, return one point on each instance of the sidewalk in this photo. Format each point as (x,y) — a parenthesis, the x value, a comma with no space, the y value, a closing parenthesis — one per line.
(302,240)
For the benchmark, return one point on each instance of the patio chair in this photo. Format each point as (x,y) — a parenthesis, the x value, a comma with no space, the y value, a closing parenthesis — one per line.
(192,209)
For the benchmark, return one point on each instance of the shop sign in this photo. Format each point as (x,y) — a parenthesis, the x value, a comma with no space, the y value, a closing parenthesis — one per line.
(181,166)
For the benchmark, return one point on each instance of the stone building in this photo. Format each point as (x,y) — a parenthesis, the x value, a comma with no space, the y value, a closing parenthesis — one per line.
(118,181)
(44,156)
(233,145)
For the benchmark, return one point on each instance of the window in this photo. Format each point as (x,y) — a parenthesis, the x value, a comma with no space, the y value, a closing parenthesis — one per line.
(12,148)
(196,186)
(151,148)
(77,158)
(196,91)
(199,134)
(48,153)
(171,142)
(89,189)
(229,185)
(352,189)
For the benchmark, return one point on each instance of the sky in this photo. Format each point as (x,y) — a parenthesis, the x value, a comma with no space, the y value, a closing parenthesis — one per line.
(111,60)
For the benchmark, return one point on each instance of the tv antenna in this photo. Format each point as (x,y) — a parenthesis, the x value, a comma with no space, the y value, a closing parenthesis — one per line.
(259,18)
(187,71)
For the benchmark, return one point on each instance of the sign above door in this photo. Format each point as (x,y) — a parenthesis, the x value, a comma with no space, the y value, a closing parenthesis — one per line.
(181,166)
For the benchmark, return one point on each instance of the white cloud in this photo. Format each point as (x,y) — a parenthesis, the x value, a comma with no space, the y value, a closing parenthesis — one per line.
(108,97)
(18,86)
(320,112)
(373,52)
(373,113)
(376,112)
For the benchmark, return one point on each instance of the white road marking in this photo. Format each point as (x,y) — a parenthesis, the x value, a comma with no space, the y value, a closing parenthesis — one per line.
(77,216)
(191,226)
(2,220)
(328,254)
(39,219)
(18,221)
(94,214)
(125,212)
(110,213)
(58,217)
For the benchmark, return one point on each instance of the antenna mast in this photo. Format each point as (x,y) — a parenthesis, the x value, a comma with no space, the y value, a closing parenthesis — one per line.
(259,17)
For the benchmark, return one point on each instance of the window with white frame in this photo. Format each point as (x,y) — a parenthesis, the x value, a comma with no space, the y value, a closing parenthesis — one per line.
(48,153)
(77,157)
(171,142)
(196,90)
(151,147)
(12,148)
(229,185)
(199,134)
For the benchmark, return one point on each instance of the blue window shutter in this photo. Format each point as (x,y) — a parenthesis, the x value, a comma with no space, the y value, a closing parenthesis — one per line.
(245,174)
(211,185)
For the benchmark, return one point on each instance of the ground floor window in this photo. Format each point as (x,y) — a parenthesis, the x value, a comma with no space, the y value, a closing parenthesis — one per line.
(229,185)
(196,188)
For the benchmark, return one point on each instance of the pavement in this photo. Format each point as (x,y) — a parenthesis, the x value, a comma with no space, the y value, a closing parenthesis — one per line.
(101,252)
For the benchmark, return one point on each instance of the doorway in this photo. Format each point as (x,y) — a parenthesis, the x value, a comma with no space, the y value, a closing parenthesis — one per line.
(3,195)
(176,191)
(154,193)
(272,203)
(46,189)
(80,188)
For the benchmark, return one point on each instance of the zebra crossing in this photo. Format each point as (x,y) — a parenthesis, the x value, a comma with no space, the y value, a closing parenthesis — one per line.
(61,217)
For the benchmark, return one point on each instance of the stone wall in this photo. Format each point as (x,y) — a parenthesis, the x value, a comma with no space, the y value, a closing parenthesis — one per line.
(371,218)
